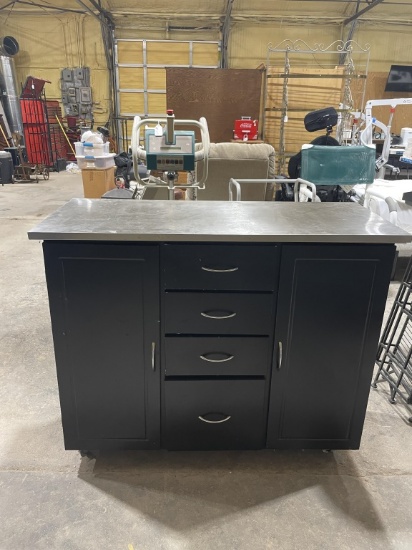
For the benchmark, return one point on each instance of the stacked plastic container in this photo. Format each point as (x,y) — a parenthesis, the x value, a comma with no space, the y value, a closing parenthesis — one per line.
(93,155)
(96,164)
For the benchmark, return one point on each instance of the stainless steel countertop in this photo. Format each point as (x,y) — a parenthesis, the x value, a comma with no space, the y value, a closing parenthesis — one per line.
(200,221)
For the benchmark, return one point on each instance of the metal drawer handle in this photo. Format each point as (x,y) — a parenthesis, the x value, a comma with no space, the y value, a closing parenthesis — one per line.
(153,355)
(205,314)
(228,358)
(280,355)
(212,270)
(214,421)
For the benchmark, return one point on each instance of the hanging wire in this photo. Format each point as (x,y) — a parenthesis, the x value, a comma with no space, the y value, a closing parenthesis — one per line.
(45,5)
(8,15)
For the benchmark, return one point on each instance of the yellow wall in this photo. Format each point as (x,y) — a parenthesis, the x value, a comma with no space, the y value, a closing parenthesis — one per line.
(249,41)
(389,44)
(50,43)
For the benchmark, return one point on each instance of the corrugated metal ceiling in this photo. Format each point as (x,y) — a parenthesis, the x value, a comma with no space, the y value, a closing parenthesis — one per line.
(214,10)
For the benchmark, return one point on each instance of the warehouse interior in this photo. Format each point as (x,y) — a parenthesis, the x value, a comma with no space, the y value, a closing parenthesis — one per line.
(80,72)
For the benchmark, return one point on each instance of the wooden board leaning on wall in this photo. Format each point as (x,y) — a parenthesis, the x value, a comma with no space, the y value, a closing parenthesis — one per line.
(308,89)
(220,95)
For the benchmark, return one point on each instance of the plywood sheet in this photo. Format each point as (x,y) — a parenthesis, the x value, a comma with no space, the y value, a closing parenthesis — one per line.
(307,88)
(220,95)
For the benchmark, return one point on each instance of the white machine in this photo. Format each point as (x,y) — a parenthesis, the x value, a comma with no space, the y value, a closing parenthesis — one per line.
(366,134)
(170,151)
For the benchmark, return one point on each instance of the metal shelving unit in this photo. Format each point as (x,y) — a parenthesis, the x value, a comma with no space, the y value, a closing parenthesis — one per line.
(395,348)
(306,79)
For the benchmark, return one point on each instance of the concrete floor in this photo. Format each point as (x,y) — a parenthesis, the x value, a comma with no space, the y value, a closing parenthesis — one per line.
(53,499)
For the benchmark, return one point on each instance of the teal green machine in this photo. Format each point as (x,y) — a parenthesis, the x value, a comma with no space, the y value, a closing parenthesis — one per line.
(170,151)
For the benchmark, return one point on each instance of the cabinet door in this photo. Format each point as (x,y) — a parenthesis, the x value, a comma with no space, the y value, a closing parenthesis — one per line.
(330,307)
(104,308)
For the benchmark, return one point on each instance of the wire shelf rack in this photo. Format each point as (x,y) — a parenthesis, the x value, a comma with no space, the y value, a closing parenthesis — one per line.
(395,347)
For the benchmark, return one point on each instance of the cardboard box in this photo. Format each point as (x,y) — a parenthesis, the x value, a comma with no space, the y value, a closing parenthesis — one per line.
(97,182)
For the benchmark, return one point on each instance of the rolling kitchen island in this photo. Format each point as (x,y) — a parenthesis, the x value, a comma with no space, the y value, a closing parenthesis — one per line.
(215,325)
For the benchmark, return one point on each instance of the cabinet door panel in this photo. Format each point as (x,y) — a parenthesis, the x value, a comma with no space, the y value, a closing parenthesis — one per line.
(103,334)
(330,307)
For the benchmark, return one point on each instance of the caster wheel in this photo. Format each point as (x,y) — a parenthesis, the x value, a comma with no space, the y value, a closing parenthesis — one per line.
(88,454)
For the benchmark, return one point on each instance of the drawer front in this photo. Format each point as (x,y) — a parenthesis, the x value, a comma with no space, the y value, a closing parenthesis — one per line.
(210,414)
(218,313)
(220,267)
(217,356)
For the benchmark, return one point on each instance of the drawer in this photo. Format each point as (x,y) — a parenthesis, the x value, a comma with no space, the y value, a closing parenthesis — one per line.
(214,414)
(218,313)
(217,356)
(220,267)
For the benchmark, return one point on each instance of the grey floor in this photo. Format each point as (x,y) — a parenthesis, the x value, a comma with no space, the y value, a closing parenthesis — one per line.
(54,499)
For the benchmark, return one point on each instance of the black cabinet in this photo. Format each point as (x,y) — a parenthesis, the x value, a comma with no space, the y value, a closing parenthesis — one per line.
(104,303)
(215,346)
(330,307)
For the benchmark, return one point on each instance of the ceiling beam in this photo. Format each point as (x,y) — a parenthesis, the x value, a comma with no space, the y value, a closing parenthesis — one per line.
(43,6)
(88,9)
(343,55)
(102,12)
(361,12)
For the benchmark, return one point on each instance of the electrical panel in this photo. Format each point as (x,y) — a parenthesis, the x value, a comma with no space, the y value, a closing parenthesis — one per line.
(67,75)
(79,73)
(76,92)
(85,95)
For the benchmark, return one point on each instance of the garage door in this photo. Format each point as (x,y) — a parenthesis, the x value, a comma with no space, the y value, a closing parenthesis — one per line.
(141,75)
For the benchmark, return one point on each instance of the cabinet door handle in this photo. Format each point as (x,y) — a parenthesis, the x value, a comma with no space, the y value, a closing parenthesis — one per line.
(280,355)
(214,270)
(206,314)
(153,355)
(203,419)
(228,358)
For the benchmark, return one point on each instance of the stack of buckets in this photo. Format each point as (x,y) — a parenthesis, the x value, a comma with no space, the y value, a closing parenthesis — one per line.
(97,165)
